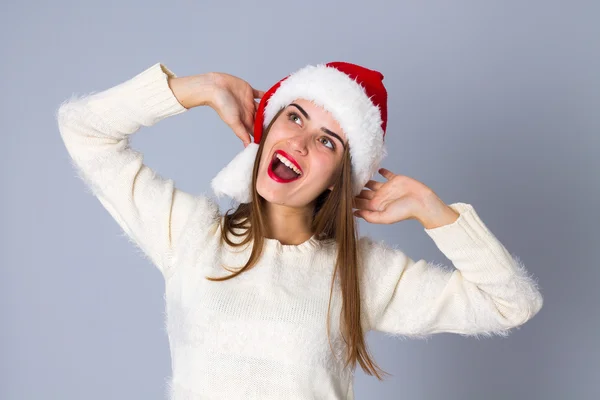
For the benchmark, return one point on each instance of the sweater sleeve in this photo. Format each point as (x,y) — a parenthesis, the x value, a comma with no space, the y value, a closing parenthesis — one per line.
(96,129)
(489,291)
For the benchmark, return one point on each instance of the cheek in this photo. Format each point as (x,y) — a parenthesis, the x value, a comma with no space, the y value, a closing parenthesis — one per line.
(326,166)
(276,135)
(265,156)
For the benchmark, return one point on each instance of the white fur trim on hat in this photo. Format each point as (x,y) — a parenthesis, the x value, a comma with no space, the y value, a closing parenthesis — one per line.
(235,180)
(349,104)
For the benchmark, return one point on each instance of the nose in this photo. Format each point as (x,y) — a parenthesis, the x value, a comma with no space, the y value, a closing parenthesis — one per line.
(298,144)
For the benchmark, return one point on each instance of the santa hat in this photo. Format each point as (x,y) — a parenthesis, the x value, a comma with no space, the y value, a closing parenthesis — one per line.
(356,98)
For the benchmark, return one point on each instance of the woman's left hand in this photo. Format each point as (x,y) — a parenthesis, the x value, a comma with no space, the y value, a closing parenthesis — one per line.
(400,198)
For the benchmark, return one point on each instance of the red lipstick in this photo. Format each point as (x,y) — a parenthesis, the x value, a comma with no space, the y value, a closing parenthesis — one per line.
(286,155)
(275,177)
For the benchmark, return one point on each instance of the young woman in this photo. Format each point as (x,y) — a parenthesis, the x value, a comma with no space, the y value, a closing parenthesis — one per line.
(272,300)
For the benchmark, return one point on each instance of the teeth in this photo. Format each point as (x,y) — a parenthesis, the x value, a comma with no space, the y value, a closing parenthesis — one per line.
(289,164)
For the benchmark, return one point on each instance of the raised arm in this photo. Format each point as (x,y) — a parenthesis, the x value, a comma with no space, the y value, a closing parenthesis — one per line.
(488,293)
(96,129)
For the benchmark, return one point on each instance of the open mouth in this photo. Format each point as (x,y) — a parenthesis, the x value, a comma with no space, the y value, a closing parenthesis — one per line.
(282,169)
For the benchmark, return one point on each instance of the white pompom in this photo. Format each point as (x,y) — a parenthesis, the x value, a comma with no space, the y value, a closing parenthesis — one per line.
(235,180)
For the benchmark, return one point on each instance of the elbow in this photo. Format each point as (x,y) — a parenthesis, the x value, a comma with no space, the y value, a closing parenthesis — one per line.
(69,109)
(63,114)
(523,310)
(534,305)
(64,110)
(526,298)
(537,304)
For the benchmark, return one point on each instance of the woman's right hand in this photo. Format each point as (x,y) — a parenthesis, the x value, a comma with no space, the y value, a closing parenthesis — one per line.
(233,99)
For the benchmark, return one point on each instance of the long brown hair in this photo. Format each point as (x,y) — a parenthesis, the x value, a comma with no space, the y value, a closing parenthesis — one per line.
(333,219)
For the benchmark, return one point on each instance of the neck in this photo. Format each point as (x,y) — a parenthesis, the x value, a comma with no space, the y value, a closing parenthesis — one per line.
(290,226)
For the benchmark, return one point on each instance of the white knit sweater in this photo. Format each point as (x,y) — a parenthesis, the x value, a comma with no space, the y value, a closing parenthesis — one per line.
(262,335)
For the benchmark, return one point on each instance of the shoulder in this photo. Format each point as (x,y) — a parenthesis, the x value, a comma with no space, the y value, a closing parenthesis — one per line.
(370,248)
(380,261)
(204,215)
(209,206)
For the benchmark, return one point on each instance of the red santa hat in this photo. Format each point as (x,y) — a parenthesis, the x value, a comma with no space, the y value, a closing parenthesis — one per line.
(356,98)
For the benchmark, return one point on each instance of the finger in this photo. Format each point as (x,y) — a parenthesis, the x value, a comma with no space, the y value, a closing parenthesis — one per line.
(373,217)
(363,204)
(366,194)
(240,131)
(251,122)
(386,173)
(248,122)
(373,185)
(258,94)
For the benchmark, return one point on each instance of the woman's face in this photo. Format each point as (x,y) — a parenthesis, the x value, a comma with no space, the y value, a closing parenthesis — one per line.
(311,140)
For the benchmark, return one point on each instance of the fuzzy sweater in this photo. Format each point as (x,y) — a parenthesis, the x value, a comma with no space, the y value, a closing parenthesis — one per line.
(262,335)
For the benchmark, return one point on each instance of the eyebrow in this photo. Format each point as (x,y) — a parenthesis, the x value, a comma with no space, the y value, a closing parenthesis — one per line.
(327,131)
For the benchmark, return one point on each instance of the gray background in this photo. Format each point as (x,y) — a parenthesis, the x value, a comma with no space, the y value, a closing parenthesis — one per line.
(491,103)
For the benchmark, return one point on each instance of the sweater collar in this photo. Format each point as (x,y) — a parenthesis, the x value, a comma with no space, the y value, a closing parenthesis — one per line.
(309,245)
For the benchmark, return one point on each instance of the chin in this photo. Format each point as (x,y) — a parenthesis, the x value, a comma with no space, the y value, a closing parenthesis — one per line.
(266,191)
(272,195)
(281,196)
